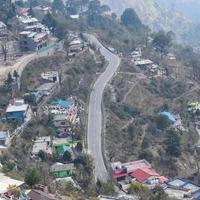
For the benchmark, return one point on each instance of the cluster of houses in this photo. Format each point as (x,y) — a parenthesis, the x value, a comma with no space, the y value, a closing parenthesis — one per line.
(17,112)
(151,69)
(141,171)
(34,35)
(14,189)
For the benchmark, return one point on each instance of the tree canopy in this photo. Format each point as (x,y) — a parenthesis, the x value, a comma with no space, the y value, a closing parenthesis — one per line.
(32,177)
(172,142)
(130,19)
(162,41)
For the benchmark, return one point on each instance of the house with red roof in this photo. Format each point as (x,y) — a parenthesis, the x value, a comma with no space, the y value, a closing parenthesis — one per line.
(148,176)
(122,170)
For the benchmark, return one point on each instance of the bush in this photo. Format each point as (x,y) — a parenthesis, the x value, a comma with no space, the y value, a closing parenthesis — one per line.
(162,122)
(32,177)
(67,156)
(137,188)
(147,155)
(173,147)
(106,188)
(8,166)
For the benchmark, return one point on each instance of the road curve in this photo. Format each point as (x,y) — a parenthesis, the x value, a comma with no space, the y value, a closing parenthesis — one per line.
(94,131)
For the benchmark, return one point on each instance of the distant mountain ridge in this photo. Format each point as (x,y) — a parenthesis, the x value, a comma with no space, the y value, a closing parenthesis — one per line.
(158,16)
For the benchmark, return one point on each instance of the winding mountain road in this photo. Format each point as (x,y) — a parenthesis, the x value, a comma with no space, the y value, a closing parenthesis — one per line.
(94,131)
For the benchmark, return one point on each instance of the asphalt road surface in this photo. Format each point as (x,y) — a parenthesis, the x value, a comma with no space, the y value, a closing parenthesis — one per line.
(94,132)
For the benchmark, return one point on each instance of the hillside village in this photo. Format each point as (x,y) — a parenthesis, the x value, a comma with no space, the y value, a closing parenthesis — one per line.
(151,106)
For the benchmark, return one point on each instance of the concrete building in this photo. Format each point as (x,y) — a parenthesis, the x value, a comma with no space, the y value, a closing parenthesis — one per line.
(42,144)
(60,121)
(5,181)
(18,111)
(47,88)
(76,45)
(3,29)
(51,76)
(27,21)
(60,170)
(32,41)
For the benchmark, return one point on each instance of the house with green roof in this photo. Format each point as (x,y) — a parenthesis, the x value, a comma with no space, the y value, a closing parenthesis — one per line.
(60,170)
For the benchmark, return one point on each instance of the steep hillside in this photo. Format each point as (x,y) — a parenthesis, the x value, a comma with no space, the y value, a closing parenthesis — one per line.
(158,17)
(190,8)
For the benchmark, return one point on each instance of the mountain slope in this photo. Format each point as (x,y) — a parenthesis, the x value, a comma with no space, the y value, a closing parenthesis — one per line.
(190,8)
(157,17)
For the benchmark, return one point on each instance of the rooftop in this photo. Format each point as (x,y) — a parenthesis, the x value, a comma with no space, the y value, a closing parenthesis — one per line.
(2,25)
(76,41)
(143,174)
(46,87)
(62,103)
(17,106)
(74,16)
(131,166)
(59,117)
(27,20)
(42,143)
(144,62)
(5,181)
(56,167)
(40,195)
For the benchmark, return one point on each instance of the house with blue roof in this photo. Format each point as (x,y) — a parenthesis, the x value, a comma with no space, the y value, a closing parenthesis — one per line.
(18,111)
(182,189)
(66,104)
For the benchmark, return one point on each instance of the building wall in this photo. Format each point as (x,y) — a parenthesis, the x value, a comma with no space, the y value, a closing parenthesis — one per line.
(62,174)
(18,116)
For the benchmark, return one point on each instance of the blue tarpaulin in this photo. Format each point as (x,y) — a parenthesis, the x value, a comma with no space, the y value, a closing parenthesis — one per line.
(170,116)
(62,103)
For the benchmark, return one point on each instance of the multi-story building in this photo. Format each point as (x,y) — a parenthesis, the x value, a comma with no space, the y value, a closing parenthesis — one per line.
(33,41)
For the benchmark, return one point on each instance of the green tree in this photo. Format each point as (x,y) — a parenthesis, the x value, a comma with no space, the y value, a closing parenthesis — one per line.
(130,19)
(32,177)
(162,42)
(85,162)
(7,10)
(172,142)
(106,188)
(137,188)
(49,21)
(162,122)
(67,156)
(42,155)
(67,45)
(8,166)
(79,147)
(146,154)
(9,81)
(159,193)
(15,74)
(58,5)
